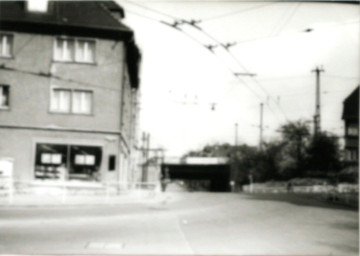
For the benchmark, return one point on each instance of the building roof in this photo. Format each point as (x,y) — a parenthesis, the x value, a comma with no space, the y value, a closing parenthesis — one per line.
(351,106)
(74,18)
(79,14)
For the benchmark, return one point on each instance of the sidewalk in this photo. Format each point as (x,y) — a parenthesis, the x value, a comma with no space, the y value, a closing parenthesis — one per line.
(32,200)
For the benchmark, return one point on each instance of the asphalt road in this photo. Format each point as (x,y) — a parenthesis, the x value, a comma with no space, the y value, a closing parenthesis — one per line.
(185,223)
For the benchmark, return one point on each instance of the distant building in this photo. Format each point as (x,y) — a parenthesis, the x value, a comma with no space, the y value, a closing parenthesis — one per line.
(69,77)
(351,118)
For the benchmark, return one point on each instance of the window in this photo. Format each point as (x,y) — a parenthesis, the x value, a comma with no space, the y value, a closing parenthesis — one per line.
(351,154)
(71,101)
(81,102)
(84,159)
(6,45)
(85,50)
(4,96)
(352,130)
(74,50)
(60,100)
(64,49)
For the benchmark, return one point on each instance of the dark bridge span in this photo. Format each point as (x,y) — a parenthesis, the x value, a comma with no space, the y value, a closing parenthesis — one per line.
(217,174)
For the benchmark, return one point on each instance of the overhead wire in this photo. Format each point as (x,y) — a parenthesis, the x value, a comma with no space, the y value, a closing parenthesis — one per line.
(49,75)
(225,15)
(24,45)
(287,21)
(308,30)
(148,8)
(197,41)
(219,43)
(279,23)
(243,67)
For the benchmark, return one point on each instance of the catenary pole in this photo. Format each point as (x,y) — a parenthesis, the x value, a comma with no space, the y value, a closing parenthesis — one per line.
(261,125)
(317,116)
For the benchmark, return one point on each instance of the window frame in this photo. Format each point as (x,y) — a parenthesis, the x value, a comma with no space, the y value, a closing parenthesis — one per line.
(74,58)
(352,130)
(11,54)
(52,110)
(71,101)
(91,101)
(1,90)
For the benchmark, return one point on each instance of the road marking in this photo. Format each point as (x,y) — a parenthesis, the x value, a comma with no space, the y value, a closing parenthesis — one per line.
(183,235)
(95,245)
(103,245)
(114,246)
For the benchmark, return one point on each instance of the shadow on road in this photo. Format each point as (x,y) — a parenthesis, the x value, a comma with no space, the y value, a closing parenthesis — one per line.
(348,249)
(346,225)
(300,199)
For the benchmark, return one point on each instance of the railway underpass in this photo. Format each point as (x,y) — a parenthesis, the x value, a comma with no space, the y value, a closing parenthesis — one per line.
(200,173)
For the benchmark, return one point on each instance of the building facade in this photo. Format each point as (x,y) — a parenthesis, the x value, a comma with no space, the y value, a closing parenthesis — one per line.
(69,76)
(351,120)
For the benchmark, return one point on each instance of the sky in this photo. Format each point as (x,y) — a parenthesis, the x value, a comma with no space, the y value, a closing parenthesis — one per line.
(190,96)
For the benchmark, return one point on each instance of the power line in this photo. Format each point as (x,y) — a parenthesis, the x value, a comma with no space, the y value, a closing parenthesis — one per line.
(308,30)
(141,15)
(287,21)
(49,75)
(225,15)
(24,45)
(193,23)
(197,41)
(149,9)
(341,77)
(282,17)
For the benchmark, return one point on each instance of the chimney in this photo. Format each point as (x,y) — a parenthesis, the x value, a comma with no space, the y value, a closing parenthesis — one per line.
(38,6)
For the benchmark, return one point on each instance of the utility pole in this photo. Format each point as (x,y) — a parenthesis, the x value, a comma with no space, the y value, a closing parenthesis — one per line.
(147,150)
(236,134)
(317,119)
(261,126)
(143,149)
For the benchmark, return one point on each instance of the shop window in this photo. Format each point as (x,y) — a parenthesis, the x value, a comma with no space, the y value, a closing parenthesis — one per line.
(6,45)
(67,162)
(48,160)
(4,96)
(85,163)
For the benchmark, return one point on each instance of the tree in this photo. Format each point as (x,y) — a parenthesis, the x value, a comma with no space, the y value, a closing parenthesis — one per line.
(323,154)
(295,136)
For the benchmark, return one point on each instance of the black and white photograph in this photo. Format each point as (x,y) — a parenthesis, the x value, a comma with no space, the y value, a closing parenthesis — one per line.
(179,127)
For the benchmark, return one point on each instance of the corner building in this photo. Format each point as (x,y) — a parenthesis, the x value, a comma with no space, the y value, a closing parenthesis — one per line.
(69,77)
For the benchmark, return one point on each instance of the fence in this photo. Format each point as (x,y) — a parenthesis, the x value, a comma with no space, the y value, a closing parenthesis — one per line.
(71,191)
(263,188)
(6,178)
(346,194)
